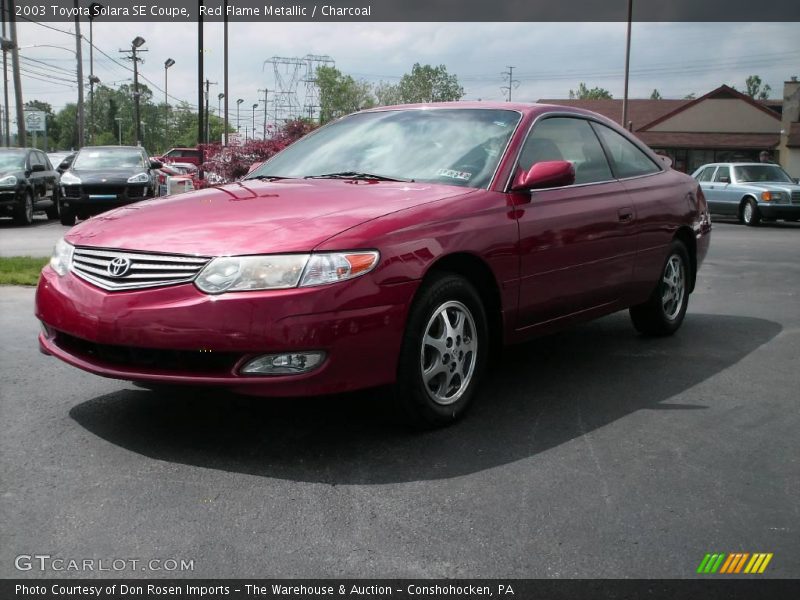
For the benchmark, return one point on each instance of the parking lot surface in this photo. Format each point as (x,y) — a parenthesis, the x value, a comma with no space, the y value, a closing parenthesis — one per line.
(590,453)
(34,240)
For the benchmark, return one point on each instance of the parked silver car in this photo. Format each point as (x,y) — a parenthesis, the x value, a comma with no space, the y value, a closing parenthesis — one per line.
(752,192)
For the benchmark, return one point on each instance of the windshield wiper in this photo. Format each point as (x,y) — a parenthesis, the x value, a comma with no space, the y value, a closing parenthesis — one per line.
(270,177)
(355,175)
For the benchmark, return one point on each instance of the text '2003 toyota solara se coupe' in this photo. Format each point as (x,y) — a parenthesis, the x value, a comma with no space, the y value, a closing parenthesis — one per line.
(397,246)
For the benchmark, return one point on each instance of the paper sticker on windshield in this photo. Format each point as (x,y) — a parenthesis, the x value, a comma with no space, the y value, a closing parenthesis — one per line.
(452,174)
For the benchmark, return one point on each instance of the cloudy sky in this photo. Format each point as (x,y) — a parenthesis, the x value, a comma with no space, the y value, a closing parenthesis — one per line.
(549,58)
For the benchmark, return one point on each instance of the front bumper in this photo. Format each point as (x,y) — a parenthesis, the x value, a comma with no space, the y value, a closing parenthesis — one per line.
(98,199)
(178,335)
(770,210)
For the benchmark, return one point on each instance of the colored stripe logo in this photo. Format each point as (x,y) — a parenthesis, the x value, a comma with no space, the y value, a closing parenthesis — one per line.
(734,563)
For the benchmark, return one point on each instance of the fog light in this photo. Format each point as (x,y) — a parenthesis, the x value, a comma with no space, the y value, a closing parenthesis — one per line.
(284,364)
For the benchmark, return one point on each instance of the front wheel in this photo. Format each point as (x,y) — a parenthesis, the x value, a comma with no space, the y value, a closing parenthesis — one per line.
(444,352)
(23,214)
(54,212)
(664,311)
(67,216)
(750,214)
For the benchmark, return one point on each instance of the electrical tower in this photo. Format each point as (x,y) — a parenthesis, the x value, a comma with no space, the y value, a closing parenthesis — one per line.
(512,83)
(313,62)
(287,73)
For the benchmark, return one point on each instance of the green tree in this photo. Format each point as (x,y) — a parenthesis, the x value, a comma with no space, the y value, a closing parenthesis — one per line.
(690,96)
(388,94)
(584,93)
(656,95)
(340,94)
(754,88)
(425,83)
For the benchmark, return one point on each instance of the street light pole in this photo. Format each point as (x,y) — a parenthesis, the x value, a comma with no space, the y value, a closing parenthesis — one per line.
(238,123)
(167,64)
(78,50)
(94,7)
(22,139)
(220,96)
(255,106)
(627,66)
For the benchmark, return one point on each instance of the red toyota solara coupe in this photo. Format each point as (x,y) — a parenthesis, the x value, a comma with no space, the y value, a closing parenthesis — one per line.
(398,245)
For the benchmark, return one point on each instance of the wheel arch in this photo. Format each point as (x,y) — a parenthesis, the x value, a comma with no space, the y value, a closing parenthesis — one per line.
(686,236)
(475,270)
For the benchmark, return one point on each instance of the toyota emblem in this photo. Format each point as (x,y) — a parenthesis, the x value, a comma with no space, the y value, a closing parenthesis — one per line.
(119,267)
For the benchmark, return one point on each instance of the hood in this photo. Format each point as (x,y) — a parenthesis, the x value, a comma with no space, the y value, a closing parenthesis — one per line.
(89,176)
(764,186)
(253,217)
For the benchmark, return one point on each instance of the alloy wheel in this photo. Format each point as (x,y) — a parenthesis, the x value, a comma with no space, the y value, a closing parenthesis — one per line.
(674,287)
(448,352)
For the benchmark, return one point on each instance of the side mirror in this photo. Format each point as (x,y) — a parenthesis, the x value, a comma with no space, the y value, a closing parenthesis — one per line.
(38,168)
(545,174)
(155,164)
(64,165)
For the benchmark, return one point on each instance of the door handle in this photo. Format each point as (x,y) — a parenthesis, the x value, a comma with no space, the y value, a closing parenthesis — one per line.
(625,215)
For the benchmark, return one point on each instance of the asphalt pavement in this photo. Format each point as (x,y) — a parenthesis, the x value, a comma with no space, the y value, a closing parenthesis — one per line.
(37,239)
(590,453)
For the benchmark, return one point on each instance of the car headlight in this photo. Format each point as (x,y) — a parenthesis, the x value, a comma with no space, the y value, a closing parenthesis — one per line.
(282,271)
(337,266)
(139,178)
(772,196)
(61,260)
(70,179)
(8,180)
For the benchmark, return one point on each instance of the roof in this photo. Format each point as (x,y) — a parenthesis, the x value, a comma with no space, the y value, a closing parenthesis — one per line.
(640,112)
(671,139)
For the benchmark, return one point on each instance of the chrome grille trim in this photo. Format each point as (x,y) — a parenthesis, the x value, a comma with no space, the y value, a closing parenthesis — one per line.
(795,197)
(146,270)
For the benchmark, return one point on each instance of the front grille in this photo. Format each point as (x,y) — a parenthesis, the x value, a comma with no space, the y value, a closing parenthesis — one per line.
(198,362)
(795,197)
(135,270)
(104,190)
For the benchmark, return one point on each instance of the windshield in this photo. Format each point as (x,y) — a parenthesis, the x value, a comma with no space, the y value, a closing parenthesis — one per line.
(12,161)
(108,158)
(451,146)
(757,173)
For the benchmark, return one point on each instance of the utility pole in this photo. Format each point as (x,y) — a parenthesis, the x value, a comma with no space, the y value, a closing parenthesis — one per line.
(200,129)
(266,97)
(6,47)
(255,106)
(627,65)
(512,83)
(225,68)
(22,139)
(92,79)
(208,120)
(78,48)
(119,127)
(136,45)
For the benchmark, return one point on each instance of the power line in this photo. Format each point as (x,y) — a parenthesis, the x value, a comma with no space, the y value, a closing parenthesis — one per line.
(512,83)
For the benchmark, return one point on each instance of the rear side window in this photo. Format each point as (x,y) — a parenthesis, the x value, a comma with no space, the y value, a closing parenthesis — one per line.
(723,173)
(34,159)
(44,160)
(705,174)
(629,160)
(567,139)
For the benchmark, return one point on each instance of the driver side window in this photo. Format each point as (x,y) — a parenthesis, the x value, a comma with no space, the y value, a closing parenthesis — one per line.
(723,175)
(570,139)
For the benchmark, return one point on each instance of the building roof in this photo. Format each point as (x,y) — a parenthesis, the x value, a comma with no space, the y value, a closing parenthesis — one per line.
(640,112)
(672,139)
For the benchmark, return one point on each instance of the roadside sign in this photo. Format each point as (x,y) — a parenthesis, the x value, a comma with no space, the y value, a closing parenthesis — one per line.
(234,139)
(35,120)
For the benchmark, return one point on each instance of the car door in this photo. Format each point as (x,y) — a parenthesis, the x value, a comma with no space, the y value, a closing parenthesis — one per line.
(724,192)
(705,178)
(575,251)
(49,176)
(36,177)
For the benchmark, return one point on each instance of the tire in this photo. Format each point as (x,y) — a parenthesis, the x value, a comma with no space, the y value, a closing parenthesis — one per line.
(67,216)
(54,211)
(23,214)
(663,313)
(750,214)
(438,381)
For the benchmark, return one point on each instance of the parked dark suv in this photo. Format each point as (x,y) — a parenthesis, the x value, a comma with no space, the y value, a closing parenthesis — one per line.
(27,183)
(105,177)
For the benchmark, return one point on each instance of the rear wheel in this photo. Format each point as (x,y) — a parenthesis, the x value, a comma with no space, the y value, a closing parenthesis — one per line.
(444,352)
(665,310)
(23,213)
(750,214)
